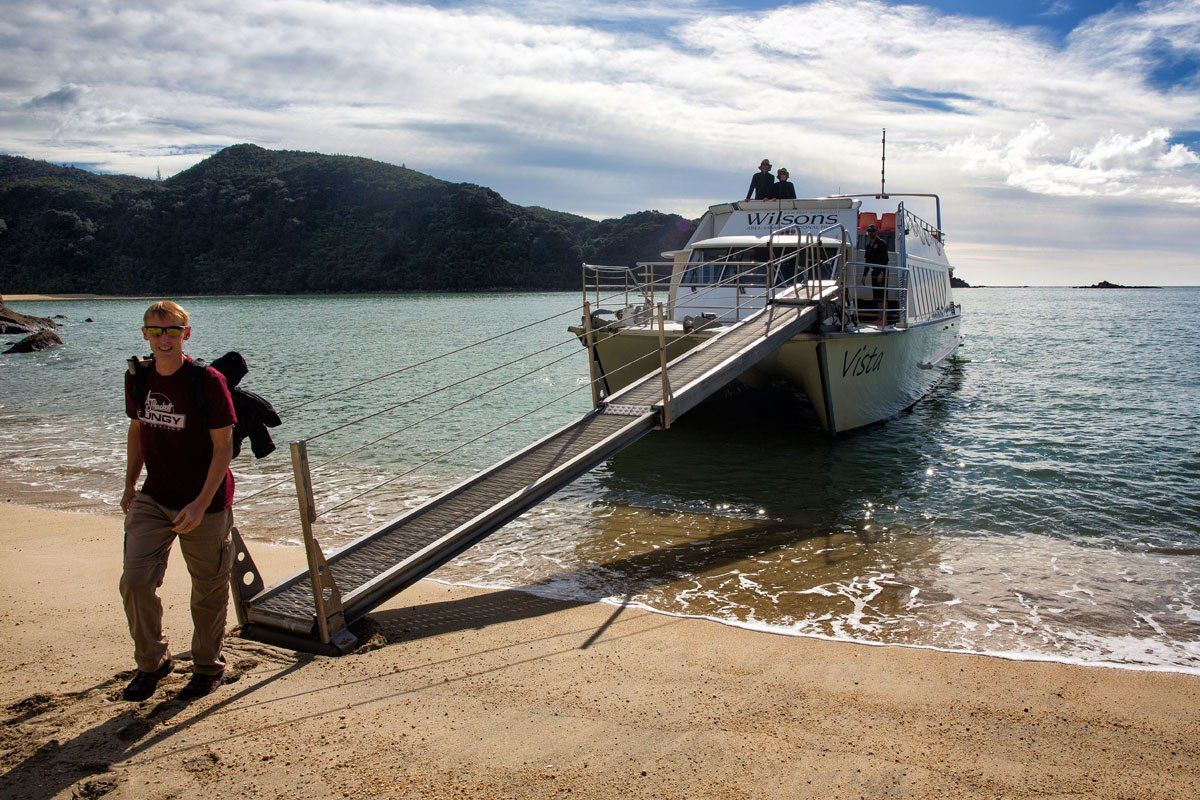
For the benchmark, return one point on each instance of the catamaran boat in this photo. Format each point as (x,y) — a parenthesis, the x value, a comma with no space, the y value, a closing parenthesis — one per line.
(878,343)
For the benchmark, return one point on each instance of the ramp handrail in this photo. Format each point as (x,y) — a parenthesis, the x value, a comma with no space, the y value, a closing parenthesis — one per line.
(812,247)
(579,388)
(460,403)
(424,395)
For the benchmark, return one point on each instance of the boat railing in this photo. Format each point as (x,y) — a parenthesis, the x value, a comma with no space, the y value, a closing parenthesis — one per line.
(631,287)
(636,291)
(803,267)
(818,268)
(864,300)
(914,224)
(625,284)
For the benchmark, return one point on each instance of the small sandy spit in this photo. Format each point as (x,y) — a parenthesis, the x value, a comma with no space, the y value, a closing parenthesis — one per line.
(496,694)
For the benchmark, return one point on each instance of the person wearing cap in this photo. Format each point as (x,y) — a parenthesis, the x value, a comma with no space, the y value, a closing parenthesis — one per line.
(783,189)
(875,253)
(761,183)
(876,249)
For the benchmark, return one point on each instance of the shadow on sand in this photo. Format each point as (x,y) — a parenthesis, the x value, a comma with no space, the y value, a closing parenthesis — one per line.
(44,767)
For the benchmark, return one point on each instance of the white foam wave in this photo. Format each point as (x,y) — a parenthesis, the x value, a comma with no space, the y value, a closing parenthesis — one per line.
(1116,646)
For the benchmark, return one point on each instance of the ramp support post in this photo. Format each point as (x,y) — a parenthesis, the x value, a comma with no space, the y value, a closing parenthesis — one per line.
(245,581)
(662,368)
(589,341)
(327,600)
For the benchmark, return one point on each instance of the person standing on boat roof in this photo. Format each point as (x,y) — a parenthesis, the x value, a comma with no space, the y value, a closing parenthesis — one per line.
(783,188)
(181,429)
(761,183)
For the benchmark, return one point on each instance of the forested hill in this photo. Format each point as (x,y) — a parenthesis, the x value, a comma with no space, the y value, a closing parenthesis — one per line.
(254,220)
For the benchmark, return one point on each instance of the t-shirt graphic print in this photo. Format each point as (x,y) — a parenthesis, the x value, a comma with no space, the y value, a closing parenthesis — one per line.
(159,411)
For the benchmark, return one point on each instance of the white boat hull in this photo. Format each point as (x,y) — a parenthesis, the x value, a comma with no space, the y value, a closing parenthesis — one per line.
(866,377)
(851,379)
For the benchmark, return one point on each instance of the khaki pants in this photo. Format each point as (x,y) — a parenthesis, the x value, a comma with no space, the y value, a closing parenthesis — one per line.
(208,553)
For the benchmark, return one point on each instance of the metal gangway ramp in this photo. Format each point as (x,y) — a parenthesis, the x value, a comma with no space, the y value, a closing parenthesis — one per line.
(311,609)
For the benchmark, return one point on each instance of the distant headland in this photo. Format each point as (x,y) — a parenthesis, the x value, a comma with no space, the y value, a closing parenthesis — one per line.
(248,220)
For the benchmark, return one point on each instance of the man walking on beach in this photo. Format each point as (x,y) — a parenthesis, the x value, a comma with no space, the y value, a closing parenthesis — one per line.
(181,429)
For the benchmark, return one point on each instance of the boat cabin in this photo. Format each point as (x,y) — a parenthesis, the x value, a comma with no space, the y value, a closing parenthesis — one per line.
(739,249)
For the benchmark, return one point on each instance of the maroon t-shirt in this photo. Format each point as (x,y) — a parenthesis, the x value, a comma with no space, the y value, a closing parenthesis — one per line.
(175,439)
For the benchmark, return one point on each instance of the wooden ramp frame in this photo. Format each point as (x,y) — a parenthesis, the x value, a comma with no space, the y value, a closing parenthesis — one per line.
(310,610)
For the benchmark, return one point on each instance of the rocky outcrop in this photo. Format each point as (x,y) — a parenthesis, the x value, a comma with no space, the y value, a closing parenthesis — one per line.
(39,341)
(8,328)
(1108,285)
(15,322)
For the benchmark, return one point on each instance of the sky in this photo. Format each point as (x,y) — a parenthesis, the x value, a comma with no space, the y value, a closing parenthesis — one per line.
(1063,136)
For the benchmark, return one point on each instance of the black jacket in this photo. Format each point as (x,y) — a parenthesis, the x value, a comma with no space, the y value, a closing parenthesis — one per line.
(760,186)
(783,190)
(876,252)
(254,412)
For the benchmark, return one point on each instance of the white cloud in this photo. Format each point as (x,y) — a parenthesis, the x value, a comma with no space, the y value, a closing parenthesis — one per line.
(1150,154)
(1056,8)
(606,109)
(1138,41)
(1116,166)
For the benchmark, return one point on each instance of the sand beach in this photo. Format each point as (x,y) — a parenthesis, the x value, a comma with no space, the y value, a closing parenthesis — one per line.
(467,693)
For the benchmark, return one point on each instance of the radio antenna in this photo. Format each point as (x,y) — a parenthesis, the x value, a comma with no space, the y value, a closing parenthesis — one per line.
(883,168)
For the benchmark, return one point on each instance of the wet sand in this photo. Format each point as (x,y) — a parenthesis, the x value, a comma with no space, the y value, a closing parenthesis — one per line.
(500,694)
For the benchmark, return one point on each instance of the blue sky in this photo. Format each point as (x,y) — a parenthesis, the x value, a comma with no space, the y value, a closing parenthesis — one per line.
(1064,136)
(1056,16)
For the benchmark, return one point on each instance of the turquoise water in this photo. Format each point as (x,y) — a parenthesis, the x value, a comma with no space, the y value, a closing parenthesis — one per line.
(1042,502)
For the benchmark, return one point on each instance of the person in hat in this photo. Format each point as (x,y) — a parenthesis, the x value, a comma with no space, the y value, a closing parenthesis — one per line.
(761,183)
(876,249)
(783,188)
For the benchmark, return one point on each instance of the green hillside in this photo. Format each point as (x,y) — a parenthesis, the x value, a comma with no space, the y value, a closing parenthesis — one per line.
(254,220)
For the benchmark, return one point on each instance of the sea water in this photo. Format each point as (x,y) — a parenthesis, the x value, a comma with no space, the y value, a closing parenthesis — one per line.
(1042,502)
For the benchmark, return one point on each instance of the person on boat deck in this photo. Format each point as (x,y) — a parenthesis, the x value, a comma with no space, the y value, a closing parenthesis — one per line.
(761,183)
(875,253)
(181,421)
(783,188)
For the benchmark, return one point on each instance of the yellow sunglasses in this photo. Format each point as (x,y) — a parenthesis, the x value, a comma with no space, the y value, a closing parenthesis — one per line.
(172,331)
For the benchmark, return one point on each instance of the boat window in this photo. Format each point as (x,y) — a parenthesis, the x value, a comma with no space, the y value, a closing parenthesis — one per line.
(708,254)
(708,267)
